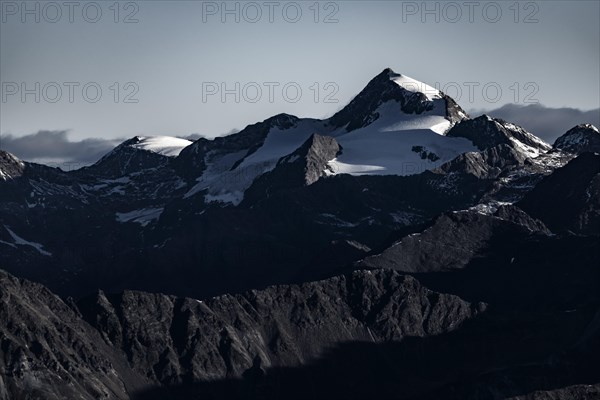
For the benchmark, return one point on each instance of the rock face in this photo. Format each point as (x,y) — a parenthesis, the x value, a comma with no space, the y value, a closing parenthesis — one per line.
(10,166)
(580,139)
(303,167)
(49,351)
(317,151)
(192,340)
(486,132)
(486,164)
(569,198)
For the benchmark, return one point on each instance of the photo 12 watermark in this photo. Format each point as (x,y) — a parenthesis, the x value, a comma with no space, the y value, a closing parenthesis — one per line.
(270,92)
(69,92)
(53,12)
(470,92)
(453,12)
(253,12)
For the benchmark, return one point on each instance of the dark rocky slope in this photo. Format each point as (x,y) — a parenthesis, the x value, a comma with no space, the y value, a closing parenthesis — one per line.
(529,330)
(569,198)
(48,352)
(190,340)
(454,240)
(580,139)
(486,132)
(301,168)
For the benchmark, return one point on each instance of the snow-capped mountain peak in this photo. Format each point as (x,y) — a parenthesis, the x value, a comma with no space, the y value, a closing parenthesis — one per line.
(139,153)
(579,139)
(397,96)
(164,145)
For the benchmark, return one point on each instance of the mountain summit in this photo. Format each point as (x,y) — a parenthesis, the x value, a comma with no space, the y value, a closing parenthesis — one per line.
(414,97)
(580,139)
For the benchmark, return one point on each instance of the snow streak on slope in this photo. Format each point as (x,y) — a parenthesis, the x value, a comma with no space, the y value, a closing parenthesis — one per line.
(22,242)
(164,145)
(142,217)
(413,85)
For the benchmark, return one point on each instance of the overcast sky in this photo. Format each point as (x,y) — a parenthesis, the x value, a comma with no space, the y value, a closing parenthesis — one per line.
(162,65)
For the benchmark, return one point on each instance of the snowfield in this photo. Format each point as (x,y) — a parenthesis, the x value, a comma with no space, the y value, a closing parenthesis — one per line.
(385,146)
(164,145)
(413,85)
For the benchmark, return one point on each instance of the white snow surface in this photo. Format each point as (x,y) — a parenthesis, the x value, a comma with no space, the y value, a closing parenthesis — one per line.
(385,146)
(413,85)
(142,217)
(22,242)
(165,145)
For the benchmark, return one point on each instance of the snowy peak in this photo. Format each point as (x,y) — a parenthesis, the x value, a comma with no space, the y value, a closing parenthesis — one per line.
(580,139)
(137,154)
(167,146)
(486,132)
(164,145)
(414,98)
(10,166)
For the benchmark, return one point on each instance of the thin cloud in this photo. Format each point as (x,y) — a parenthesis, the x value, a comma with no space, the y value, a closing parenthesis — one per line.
(54,148)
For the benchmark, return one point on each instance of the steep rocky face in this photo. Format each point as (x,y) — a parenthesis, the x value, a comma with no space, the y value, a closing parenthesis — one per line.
(307,164)
(486,132)
(317,151)
(454,112)
(569,198)
(580,139)
(48,352)
(486,164)
(190,340)
(301,168)
(10,166)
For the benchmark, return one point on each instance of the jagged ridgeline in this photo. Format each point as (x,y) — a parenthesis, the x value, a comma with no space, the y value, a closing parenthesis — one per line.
(398,249)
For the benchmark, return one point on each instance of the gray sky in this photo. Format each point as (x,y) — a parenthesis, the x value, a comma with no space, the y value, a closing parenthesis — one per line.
(178,51)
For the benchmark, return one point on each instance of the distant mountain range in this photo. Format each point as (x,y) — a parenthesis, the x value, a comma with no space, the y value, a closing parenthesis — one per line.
(399,249)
